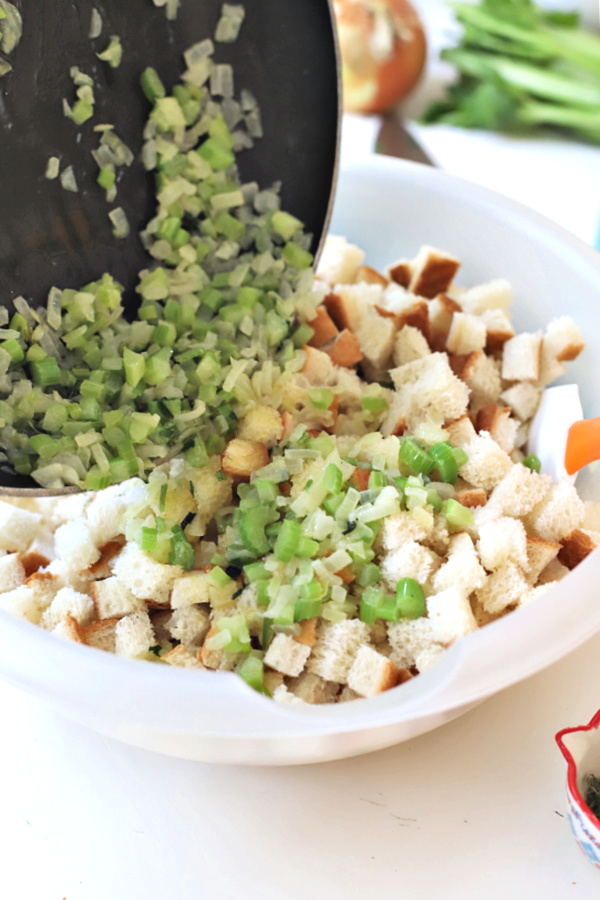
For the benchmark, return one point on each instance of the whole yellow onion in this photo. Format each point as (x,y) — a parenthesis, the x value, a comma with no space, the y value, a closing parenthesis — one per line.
(383,49)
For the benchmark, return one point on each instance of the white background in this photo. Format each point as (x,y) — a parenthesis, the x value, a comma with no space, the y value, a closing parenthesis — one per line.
(475,810)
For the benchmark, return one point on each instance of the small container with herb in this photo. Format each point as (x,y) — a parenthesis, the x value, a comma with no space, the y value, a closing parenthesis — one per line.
(580,747)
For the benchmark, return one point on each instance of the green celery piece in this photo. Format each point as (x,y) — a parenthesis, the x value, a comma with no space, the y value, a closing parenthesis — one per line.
(478,39)
(585,123)
(113,53)
(369,605)
(305,608)
(217,153)
(135,366)
(579,46)
(410,599)
(96,480)
(14,349)
(296,256)
(106,177)
(255,572)
(488,17)
(158,366)
(45,372)
(181,552)
(252,529)
(302,335)
(288,540)
(285,224)
(81,112)
(534,80)
(251,670)
(151,84)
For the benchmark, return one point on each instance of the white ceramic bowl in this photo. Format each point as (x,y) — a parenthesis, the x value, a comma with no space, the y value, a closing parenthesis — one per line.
(390,208)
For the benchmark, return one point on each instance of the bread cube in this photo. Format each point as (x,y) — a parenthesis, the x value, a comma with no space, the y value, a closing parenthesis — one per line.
(336,648)
(371,673)
(450,614)
(17,527)
(287,655)
(113,599)
(134,635)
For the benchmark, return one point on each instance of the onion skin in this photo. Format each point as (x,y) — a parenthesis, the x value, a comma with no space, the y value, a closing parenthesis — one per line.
(383,49)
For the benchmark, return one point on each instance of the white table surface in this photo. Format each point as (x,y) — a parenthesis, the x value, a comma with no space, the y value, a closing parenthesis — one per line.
(473,810)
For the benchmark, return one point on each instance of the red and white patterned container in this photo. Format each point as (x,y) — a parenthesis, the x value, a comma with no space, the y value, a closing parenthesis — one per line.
(581,749)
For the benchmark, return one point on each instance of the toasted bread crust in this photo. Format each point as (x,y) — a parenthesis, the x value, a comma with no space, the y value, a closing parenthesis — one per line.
(323,326)
(575,547)
(472,498)
(371,276)
(401,273)
(101,569)
(336,308)
(32,561)
(344,350)
(435,276)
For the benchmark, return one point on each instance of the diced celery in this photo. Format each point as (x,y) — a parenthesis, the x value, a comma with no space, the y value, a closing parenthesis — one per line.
(369,605)
(252,527)
(14,349)
(167,114)
(90,409)
(155,285)
(322,398)
(219,132)
(45,372)
(333,479)
(35,353)
(296,256)
(368,575)
(323,443)
(106,177)
(197,455)
(285,224)
(151,84)
(215,444)
(218,577)
(255,572)
(229,226)
(158,366)
(410,599)
(374,404)
(164,334)
(95,480)
(182,552)
(134,365)
(251,670)
(92,389)
(302,335)
(113,53)
(216,153)
(248,297)
(288,539)
(81,111)
(237,629)
(267,491)
(458,515)
(45,446)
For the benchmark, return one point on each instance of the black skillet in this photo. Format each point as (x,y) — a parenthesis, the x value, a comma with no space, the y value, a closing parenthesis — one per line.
(285,54)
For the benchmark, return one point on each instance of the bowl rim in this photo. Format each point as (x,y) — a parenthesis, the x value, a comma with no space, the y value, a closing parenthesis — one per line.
(435,686)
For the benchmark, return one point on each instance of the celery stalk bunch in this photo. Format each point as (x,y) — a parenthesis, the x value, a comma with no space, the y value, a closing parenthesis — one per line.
(521,67)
